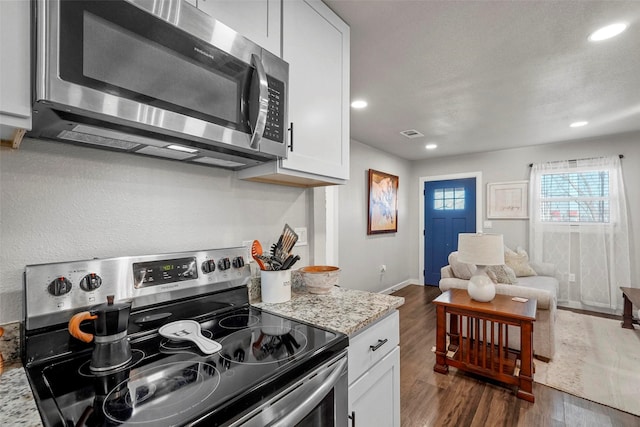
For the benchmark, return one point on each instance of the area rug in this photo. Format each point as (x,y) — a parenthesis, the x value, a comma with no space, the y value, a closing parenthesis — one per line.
(595,359)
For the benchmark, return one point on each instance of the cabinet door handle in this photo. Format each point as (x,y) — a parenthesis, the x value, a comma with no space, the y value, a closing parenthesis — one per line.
(291,138)
(352,417)
(377,346)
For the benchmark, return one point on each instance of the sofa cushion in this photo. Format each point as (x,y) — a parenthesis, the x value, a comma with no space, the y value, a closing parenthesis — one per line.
(460,269)
(519,262)
(502,274)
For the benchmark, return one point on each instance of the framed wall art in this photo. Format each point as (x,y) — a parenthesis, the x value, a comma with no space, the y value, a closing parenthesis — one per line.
(508,200)
(383,203)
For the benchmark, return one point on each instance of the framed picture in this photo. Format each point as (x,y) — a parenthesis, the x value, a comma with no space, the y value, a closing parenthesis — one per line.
(507,200)
(383,203)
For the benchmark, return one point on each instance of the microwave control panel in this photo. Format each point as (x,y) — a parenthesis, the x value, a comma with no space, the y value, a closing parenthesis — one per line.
(275,115)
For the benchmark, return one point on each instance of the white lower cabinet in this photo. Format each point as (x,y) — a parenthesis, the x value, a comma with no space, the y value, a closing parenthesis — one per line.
(374,375)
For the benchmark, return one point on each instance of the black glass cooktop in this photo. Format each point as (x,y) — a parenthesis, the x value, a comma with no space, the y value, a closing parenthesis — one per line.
(173,383)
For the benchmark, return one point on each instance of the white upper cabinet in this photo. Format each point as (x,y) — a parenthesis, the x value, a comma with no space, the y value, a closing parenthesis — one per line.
(315,43)
(257,20)
(15,56)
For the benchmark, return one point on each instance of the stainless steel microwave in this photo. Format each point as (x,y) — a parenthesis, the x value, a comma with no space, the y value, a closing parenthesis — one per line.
(156,77)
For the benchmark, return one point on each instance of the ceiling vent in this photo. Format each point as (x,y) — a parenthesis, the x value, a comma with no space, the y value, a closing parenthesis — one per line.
(411,133)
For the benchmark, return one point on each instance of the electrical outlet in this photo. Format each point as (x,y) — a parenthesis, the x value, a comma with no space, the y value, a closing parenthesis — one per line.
(302,236)
(383,268)
(572,277)
(247,244)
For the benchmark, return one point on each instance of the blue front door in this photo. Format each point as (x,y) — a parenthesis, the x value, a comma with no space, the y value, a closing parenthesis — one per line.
(449,209)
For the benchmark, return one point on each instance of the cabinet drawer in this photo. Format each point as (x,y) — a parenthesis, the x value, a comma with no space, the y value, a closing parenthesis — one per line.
(363,353)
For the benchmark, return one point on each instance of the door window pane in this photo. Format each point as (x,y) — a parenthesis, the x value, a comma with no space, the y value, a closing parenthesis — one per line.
(449,199)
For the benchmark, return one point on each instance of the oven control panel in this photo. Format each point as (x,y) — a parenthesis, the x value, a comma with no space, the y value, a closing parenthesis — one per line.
(154,273)
(54,292)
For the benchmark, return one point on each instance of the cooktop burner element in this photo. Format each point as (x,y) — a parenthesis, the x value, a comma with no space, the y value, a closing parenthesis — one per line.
(238,321)
(162,392)
(136,357)
(261,345)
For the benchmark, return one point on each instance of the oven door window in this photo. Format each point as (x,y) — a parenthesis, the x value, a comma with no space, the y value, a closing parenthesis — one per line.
(122,50)
(322,415)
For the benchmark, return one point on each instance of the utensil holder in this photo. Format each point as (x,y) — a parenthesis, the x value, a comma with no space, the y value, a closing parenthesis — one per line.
(275,285)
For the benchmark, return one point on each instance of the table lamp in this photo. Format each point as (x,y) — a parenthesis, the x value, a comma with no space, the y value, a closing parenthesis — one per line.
(482,250)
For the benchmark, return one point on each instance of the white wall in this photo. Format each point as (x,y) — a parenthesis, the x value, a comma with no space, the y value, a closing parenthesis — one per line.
(513,165)
(360,254)
(60,202)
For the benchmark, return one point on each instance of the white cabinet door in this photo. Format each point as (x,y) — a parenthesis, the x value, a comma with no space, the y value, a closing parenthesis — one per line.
(374,399)
(15,55)
(316,45)
(257,20)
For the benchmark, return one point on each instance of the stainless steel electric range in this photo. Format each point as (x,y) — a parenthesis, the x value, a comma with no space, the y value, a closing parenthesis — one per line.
(269,370)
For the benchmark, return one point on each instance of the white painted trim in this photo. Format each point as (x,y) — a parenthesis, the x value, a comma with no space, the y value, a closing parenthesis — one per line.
(325,225)
(479,209)
(399,286)
(332,256)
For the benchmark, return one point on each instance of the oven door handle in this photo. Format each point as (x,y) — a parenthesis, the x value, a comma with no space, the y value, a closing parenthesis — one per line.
(298,411)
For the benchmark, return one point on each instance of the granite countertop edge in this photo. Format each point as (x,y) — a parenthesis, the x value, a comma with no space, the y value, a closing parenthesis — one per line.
(342,310)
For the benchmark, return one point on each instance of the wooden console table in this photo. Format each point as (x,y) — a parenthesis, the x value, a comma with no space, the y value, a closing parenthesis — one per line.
(631,297)
(478,337)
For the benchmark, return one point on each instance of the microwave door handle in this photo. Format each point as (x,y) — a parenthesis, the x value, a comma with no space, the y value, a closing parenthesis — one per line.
(263,102)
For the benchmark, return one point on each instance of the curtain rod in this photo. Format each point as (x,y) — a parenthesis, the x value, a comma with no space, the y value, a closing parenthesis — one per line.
(575,160)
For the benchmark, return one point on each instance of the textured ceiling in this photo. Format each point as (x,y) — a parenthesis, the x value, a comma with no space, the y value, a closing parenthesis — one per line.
(486,75)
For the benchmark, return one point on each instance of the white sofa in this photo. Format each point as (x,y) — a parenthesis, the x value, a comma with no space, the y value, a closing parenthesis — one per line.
(543,287)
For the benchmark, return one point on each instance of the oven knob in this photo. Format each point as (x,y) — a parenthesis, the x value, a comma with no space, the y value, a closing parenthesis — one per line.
(224,264)
(59,286)
(90,282)
(238,262)
(209,266)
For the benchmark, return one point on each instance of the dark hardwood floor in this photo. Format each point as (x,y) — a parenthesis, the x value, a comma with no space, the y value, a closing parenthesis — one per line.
(458,399)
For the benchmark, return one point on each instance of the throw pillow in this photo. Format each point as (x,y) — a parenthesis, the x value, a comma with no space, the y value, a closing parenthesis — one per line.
(460,269)
(502,274)
(519,262)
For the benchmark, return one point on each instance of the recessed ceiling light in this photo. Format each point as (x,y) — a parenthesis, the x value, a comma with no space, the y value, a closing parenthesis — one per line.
(578,124)
(181,148)
(607,32)
(359,104)
(431,146)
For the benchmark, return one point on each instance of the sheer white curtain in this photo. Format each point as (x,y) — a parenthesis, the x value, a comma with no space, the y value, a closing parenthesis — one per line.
(578,221)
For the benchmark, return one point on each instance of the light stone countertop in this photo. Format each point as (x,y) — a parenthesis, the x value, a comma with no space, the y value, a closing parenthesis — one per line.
(342,310)
(16,399)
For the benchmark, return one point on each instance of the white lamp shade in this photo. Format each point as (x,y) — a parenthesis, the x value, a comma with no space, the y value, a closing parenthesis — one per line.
(481,249)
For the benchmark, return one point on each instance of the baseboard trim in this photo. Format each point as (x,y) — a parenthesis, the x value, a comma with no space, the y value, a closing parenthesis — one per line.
(399,286)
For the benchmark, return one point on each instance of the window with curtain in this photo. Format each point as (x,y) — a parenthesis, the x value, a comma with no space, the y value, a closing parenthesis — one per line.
(578,221)
(575,197)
